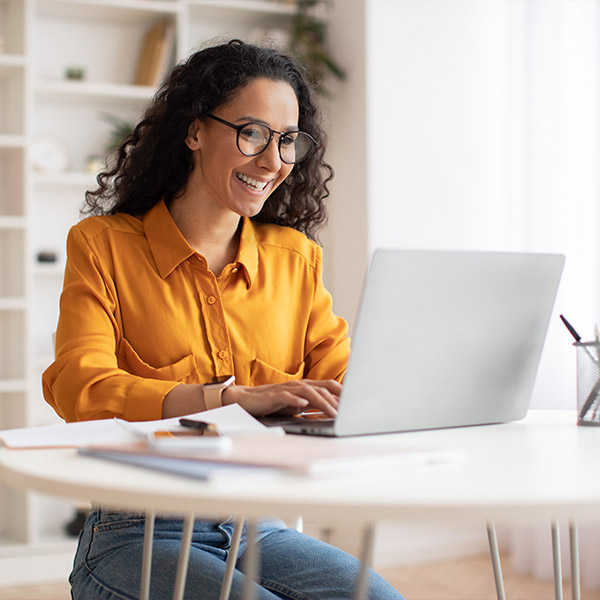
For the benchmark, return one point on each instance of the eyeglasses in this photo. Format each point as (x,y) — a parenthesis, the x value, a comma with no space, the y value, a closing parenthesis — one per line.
(254,138)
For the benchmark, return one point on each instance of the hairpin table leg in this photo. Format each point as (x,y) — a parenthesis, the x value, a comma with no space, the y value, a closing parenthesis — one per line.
(556,561)
(366,554)
(250,562)
(574,547)
(495,554)
(184,557)
(231,559)
(147,556)
(298,524)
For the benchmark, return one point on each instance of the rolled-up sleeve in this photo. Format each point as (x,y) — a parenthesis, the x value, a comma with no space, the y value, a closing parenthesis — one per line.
(327,342)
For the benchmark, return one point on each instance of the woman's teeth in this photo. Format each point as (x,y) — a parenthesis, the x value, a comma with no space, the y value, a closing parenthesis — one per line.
(255,185)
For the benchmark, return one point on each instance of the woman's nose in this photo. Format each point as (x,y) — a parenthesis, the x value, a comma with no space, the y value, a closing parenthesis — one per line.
(270,158)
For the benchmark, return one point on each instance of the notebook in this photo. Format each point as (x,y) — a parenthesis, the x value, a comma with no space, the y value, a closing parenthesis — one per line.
(443,339)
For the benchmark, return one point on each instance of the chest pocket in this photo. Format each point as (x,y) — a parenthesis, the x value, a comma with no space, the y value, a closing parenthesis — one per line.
(184,370)
(262,373)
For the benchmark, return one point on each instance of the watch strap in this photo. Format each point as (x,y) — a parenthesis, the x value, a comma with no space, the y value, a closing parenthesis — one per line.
(212,391)
(212,397)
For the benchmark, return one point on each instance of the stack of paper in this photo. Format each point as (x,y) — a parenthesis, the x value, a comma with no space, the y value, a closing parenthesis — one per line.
(251,447)
(297,455)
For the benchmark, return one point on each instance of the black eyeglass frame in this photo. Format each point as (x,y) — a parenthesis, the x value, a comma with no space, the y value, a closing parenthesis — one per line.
(238,129)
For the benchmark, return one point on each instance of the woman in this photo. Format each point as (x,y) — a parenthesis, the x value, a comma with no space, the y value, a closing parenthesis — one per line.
(198,264)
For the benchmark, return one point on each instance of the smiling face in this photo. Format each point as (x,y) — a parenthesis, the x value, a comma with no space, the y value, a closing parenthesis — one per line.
(223,177)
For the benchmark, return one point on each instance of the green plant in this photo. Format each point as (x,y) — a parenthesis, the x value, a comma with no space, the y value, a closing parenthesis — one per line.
(121,129)
(309,42)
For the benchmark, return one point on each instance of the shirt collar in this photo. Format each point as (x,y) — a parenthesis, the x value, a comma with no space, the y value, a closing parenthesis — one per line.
(169,248)
(167,245)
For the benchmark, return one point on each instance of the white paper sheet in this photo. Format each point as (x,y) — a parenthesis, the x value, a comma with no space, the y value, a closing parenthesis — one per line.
(232,419)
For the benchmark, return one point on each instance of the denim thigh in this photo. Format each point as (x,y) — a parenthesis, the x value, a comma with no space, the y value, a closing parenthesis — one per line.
(300,567)
(293,566)
(108,561)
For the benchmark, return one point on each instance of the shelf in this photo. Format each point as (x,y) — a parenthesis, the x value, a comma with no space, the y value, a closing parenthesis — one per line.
(56,269)
(9,386)
(45,543)
(86,89)
(107,9)
(10,222)
(254,6)
(8,62)
(10,141)
(66,178)
(7,304)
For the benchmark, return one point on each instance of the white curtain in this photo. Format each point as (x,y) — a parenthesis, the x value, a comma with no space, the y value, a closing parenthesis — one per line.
(484,133)
(555,99)
(556,79)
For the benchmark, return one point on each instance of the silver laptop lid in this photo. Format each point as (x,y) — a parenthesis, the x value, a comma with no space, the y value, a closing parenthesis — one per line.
(446,339)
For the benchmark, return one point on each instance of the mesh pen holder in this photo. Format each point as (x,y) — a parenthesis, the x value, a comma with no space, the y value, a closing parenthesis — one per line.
(588,383)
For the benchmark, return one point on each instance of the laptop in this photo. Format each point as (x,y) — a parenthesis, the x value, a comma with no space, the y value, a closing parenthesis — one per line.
(442,339)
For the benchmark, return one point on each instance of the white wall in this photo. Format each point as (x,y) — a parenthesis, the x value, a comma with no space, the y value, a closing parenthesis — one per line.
(436,75)
(345,240)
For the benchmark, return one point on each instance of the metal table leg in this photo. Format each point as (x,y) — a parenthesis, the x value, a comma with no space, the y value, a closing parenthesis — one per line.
(574,548)
(298,524)
(556,561)
(366,555)
(231,559)
(147,556)
(184,557)
(250,562)
(495,554)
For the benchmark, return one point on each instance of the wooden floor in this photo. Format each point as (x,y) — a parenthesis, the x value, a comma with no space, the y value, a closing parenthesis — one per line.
(465,579)
(472,579)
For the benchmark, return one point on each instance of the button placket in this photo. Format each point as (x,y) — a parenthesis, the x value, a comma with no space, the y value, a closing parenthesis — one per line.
(215,324)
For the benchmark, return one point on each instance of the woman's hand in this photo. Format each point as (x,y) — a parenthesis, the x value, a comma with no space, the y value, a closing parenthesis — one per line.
(286,398)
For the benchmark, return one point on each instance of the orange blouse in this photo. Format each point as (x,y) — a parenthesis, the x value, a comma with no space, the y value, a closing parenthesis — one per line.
(140,313)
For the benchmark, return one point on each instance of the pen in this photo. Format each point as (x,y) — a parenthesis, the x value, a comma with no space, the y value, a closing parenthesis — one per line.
(593,395)
(201,425)
(577,337)
(590,401)
(571,329)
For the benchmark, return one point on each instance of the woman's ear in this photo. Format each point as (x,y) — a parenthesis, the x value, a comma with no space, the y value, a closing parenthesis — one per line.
(193,137)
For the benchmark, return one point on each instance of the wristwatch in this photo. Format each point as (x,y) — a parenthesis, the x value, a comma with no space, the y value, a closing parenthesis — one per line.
(213,389)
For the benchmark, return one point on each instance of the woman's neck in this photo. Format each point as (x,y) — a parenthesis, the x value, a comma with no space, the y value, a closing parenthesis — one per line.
(214,234)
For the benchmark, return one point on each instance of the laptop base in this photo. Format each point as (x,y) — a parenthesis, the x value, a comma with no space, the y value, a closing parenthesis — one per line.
(320,427)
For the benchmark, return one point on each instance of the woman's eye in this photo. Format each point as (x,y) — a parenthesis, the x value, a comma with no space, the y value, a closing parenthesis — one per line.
(252,133)
(288,139)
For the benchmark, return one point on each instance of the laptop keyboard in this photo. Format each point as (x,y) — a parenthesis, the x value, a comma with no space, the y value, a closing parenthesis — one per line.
(309,422)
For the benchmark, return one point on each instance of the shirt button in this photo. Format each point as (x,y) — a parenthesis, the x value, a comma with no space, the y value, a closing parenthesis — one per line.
(211,299)
(222,354)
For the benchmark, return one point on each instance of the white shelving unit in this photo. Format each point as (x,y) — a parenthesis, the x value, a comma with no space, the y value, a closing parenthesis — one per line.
(39,41)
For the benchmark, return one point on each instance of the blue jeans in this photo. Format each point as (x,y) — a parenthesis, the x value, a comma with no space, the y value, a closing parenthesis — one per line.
(292,565)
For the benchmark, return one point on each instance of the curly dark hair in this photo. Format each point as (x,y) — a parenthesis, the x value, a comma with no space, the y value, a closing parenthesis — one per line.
(154,162)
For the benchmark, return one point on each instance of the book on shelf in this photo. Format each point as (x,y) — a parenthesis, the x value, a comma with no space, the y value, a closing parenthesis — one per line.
(156,54)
